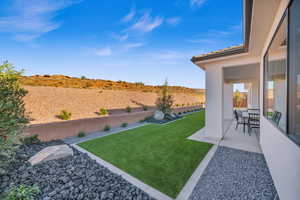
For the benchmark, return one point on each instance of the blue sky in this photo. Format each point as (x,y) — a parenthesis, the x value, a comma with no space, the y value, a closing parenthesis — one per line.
(130,40)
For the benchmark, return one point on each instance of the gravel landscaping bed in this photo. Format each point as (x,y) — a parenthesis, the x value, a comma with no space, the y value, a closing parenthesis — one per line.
(235,175)
(76,177)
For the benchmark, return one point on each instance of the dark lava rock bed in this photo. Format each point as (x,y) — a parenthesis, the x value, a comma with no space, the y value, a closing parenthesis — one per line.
(76,177)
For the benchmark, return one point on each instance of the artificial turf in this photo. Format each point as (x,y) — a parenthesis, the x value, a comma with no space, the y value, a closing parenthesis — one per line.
(159,155)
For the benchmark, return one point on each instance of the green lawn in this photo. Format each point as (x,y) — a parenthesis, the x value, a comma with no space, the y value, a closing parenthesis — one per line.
(159,155)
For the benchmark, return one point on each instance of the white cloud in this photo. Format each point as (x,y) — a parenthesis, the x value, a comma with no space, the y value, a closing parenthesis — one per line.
(173,21)
(103,52)
(121,38)
(197,3)
(202,40)
(213,35)
(129,16)
(146,23)
(132,45)
(32,18)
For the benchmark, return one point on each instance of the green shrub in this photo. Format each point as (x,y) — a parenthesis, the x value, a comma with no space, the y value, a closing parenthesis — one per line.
(81,134)
(65,115)
(30,140)
(145,108)
(106,128)
(83,78)
(23,193)
(124,125)
(164,102)
(103,111)
(128,109)
(12,113)
(179,113)
(147,118)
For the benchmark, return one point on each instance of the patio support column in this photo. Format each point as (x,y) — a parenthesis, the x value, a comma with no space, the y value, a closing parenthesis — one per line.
(228,101)
(253,94)
(214,103)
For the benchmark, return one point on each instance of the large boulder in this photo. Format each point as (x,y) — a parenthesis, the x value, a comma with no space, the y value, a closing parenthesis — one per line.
(51,153)
(159,115)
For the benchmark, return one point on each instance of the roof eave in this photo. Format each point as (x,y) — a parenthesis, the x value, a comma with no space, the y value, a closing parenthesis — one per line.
(248,4)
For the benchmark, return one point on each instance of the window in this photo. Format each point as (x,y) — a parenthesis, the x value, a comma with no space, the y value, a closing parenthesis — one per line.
(275,86)
(294,71)
(282,75)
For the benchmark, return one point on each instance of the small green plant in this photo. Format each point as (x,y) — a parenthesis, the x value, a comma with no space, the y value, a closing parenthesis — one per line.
(106,128)
(142,121)
(23,192)
(128,109)
(81,134)
(65,115)
(103,111)
(179,113)
(124,125)
(147,118)
(145,108)
(33,139)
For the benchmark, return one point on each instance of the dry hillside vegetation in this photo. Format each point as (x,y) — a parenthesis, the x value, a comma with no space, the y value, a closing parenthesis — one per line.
(73,82)
(43,103)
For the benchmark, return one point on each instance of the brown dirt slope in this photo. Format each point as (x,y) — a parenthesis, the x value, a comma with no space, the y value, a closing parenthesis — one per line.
(73,82)
(43,102)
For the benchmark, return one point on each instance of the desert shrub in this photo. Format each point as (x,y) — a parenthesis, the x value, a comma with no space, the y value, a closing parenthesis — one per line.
(145,108)
(128,109)
(177,105)
(33,139)
(83,78)
(81,134)
(148,118)
(165,101)
(65,115)
(124,125)
(12,113)
(183,105)
(106,128)
(22,192)
(47,76)
(103,111)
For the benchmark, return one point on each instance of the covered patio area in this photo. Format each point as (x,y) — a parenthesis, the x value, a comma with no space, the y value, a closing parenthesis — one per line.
(233,138)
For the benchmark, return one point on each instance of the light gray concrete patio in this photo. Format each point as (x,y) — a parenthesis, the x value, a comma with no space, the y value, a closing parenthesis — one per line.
(233,138)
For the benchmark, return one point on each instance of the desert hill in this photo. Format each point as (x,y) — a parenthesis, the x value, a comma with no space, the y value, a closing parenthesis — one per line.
(83,82)
(48,95)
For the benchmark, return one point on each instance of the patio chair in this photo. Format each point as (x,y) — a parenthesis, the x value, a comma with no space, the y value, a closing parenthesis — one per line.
(276,117)
(253,122)
(238,118)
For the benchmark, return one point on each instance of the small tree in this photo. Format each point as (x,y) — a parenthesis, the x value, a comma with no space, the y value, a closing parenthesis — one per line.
(12,112)
(165,101)
(238,98)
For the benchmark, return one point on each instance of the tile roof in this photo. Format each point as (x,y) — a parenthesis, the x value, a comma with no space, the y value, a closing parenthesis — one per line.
(219,53)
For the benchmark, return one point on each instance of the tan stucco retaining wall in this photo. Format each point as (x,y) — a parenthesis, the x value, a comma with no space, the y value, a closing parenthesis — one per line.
(64,129)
